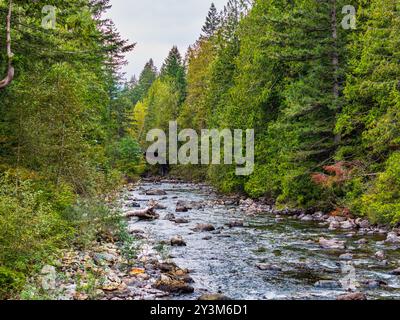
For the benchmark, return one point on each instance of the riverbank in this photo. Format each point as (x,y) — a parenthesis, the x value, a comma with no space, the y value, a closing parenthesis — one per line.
(199,244)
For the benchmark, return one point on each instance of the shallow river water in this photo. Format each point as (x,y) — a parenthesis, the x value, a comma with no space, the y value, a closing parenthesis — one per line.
(225,260)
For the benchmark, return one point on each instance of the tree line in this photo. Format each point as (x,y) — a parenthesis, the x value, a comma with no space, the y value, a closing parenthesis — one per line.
(323,100)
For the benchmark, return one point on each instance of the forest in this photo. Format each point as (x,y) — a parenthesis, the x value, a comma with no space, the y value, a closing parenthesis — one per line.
(320,87)
(323,100)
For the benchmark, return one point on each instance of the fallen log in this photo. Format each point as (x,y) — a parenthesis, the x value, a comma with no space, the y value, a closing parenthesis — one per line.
(145,214)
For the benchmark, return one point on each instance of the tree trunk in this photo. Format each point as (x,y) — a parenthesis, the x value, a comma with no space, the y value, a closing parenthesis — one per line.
(335,60)
(145,214)
(10,73)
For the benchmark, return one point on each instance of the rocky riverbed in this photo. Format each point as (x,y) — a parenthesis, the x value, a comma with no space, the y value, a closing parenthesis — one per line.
(191,243)
(244,249)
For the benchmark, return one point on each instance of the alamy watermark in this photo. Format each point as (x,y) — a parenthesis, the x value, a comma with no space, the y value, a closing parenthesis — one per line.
(238,148)
(50,18)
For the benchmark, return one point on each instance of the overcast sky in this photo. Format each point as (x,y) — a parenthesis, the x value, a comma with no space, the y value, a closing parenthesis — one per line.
(157,25)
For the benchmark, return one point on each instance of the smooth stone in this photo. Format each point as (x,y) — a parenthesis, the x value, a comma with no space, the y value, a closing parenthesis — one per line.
(396,272)
(268,267)
(204,227)
(181,221)
(346,256)
(356,296)
(392,237)
(177,241)
(380,255)
(331,244)
(170,217)
(155,192)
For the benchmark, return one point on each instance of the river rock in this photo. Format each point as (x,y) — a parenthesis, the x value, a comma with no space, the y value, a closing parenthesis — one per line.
(363,223)
(170,217)
(374,284)
(268,267)
(166,283)
(307,218)
(181,221)
(347,225)
(181,209)
(204,227)
(318,216)
(178,241)
(213,297)
(334,225)
(331,244)
(156,205)
(396,272)
(167,266)
(236,224)
(346,256)
(362,241)
(327,284)
(380,255)
(112,282)
(352,297)
(155,192)
(104,258)
(392,237)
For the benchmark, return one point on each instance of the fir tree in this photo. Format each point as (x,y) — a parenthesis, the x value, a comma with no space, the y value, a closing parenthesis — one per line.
(212,23)
(146,79)
(173,70)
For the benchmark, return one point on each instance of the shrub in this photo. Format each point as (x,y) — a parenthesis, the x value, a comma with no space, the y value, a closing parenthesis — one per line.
(30,228)
(10,282)
(382,201)
(126,155)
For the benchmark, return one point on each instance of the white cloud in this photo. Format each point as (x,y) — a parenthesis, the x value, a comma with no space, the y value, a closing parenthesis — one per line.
(157,25)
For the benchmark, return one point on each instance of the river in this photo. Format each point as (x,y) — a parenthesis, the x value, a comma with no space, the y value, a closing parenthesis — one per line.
(225,260)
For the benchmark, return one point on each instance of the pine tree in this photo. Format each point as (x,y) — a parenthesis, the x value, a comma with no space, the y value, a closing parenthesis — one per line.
(173,70)
(212,23)
(146,79)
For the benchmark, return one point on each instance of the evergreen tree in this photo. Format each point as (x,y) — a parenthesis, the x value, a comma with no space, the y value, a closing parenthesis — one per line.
(173,70)
(146,79)
(212,23)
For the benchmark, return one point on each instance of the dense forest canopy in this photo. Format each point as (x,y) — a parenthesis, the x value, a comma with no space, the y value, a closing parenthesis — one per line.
(319,83)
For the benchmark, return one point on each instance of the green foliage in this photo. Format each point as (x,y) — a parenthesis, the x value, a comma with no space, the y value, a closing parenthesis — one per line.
(91,219)
(10,282)
(30,228)
(64,107)
(382,201)
(126,155)
(315,93)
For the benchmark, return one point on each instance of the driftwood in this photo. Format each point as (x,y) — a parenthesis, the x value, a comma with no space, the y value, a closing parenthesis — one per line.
(145,214)
(10,72)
